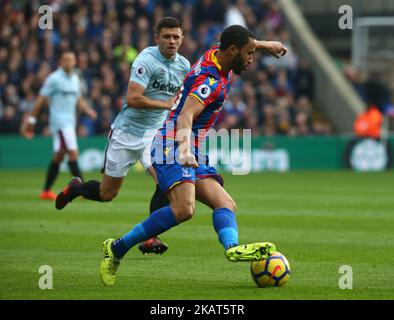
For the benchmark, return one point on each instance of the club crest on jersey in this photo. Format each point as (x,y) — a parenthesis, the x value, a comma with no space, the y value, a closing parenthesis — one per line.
(111,165)
(141,71)
(203,91)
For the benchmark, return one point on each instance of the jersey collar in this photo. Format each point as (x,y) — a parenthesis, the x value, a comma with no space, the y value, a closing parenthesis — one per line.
(65,73)
(215,61)
(212,58)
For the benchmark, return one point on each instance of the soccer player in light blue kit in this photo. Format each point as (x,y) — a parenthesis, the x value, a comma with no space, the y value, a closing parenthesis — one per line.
(156,76)
(61,90)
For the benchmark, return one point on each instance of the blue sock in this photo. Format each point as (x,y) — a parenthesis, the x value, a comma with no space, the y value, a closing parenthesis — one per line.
(159,221)
(226,227)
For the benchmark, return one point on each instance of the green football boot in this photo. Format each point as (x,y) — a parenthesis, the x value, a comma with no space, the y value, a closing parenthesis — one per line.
(250,252)
(109,264)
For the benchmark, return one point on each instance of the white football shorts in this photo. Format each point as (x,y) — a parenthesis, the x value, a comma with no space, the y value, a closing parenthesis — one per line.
(124,150)
(65,139)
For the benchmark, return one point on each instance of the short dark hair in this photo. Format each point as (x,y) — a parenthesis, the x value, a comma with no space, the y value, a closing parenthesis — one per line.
(235,34)
(168,22)
(67,51)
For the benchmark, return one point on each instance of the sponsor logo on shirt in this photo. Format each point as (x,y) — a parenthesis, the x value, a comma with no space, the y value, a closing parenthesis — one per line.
(169,87)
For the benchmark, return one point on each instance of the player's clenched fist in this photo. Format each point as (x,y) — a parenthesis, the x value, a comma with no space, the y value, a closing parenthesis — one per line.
(274,48)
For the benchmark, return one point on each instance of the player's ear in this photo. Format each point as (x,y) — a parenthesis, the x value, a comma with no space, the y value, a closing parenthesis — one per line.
(233,49)
(156,38)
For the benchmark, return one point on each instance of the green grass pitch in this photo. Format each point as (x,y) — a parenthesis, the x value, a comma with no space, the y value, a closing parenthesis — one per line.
(318,220)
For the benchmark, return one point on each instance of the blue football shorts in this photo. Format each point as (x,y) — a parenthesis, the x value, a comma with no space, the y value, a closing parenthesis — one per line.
(171,174)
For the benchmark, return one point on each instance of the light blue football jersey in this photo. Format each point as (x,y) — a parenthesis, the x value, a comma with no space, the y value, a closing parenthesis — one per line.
(161,78)
(62,91)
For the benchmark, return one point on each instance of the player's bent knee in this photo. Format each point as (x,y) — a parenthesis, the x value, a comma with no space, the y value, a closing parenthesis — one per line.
(228,203)
(184,211)
(231,205)
(58,157)
(73,156)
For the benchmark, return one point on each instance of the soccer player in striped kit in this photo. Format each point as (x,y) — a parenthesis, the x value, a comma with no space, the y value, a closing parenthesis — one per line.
(174,155)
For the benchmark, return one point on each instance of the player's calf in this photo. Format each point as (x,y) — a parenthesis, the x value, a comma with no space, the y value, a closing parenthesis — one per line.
(109,188)
(107,195)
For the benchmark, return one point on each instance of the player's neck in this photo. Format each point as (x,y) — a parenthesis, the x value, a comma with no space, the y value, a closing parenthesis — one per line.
(67,72)
(171,57)
(223,61)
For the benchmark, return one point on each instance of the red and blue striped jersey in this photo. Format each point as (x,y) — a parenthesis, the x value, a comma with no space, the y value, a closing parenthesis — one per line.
(207,82)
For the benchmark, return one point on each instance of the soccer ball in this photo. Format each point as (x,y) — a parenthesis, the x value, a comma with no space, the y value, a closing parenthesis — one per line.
(272,272)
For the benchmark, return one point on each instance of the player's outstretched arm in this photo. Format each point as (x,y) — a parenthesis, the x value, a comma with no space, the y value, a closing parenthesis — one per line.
(27,128)
(84,107)
(274,48)
(192,108)
(135,98)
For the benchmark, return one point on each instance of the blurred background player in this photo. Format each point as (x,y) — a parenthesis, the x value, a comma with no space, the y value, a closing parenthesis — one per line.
(156,76)
(174,154)
(61,91)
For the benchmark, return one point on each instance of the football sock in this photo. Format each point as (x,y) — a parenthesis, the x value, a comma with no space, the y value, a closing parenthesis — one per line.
(74,168)
(226,227)
(119,248)
(89,190)
(159,221)
(53,171)
(159,200)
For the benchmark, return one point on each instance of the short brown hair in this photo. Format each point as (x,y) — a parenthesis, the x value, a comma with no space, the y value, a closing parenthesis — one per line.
(168,22)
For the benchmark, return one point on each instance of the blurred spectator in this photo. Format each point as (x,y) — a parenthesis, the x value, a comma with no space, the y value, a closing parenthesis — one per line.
(234,111)
(9,123)
(234,15)
(368,124)
(27,103)
(208,11)
(125,51)
(322,128)
(302,126)
(377,91)
(355,78)
(304,81)
(372,89)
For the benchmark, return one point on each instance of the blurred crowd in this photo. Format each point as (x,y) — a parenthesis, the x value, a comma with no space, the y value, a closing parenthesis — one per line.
(372,88)
(273,97)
